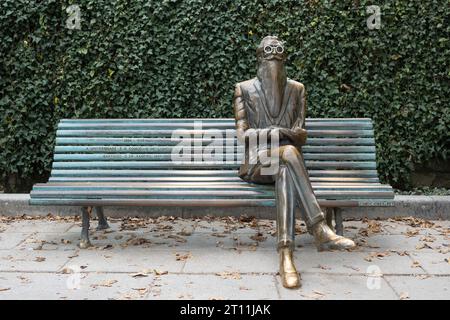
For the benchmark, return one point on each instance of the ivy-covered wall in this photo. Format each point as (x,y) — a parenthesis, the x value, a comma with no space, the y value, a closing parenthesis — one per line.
(181,58)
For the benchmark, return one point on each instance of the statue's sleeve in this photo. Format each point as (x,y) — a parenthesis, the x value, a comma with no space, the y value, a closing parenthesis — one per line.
(243,128)
(300,122)
(240,114)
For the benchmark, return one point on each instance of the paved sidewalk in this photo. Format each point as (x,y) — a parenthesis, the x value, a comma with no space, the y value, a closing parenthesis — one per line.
(218,258)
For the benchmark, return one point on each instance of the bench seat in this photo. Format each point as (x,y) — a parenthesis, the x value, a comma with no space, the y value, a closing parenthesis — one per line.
(106,162)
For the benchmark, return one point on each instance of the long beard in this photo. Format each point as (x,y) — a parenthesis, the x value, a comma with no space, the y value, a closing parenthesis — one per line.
(272,75)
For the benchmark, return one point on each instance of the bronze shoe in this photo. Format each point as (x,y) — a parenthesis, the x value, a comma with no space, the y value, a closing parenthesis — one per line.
(288,273)
(327,240)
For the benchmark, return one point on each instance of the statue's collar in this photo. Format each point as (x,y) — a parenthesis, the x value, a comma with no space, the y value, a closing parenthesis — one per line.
(286,97)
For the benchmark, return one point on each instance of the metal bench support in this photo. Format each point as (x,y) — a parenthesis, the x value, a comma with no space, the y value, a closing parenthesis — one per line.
(336,215)
(85,217)
(338,224)
(102,222)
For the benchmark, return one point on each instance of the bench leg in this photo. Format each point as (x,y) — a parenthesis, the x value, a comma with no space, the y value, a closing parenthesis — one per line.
(329,216)
(102,222)
(338,221)
(85,216)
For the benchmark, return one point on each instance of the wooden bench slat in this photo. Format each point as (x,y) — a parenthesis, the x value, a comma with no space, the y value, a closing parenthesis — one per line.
(201,164)
(203,194)
(197,173)
(209,120)
(168,149)
(223,156)
(172,142)
(198,179)
(202,202)
(204,125)
(196,185)
(192,133)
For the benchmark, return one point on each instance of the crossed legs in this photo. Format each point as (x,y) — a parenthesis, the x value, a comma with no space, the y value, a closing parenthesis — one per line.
(293,188)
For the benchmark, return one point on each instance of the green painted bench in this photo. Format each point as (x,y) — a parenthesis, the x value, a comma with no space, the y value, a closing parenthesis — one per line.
(109,162)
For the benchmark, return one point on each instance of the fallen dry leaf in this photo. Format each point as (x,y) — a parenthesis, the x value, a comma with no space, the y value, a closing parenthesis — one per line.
(141,291)
(423,245)
(182,257)
(416,222)
(428,239)
(323,267)
(106,283)
(39,259)
(411,232)
(400,253)
(258,237)
(160,273)
(219,235)
(404,296)
(372,227)
(139,275)
(135,242)
(379,255)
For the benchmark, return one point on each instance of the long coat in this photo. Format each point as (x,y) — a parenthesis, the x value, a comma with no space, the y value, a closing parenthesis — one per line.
(252,112)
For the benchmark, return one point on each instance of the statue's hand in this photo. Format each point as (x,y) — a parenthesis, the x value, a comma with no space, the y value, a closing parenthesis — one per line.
(300,136)
(297,135)
(282,132)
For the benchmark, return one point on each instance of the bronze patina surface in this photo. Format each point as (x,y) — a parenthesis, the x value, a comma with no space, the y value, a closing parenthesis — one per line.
(274,105)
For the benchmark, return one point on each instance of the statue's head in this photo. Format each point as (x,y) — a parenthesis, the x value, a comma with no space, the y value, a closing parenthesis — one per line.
(271,48)
(271,71)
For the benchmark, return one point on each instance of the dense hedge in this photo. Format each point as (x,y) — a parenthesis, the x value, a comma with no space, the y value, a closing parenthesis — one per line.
(178,58)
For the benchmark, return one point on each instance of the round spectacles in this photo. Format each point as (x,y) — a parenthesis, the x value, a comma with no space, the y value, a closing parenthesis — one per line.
(273,49)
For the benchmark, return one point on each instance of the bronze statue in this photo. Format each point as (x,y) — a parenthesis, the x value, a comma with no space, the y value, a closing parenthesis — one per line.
(273,103)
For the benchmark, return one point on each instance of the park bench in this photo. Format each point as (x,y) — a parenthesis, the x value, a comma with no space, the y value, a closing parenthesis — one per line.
(127,162)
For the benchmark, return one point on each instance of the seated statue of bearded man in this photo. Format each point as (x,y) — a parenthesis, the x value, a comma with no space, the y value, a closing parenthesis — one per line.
(275,105)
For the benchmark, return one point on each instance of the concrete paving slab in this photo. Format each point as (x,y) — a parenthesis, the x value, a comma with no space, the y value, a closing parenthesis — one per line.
(433,262)
(33,260)
(224,286)
(393,242)
(29,226)
(220,254)
(331,287)
(402,228)
(52,286)
(231,260)
(11,240)
(130,259)
(226,225)
(422,288)
(336,262)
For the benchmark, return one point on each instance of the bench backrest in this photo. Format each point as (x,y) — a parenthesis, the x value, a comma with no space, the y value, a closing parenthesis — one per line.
(337,150)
